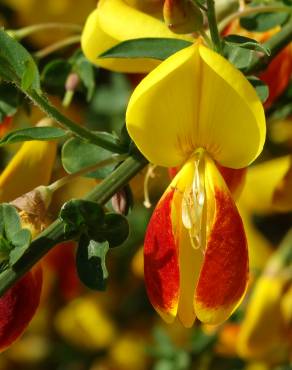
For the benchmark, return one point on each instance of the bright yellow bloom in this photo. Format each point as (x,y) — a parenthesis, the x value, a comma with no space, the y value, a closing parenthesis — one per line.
(114,21)
(30,167)
(193,111)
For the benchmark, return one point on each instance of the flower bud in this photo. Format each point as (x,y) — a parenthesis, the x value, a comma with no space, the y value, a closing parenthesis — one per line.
(182,16)
(122,201)
(72,82)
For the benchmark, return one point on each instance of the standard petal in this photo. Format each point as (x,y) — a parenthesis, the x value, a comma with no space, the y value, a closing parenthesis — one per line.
(18,305)
(224,273)
(195,99)
(115,21)
(30,167)
(161,265)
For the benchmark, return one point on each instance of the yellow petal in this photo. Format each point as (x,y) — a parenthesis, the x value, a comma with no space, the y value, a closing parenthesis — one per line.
(195,99)
(115,21)
(259,248)
(262,331)
(260,184)
(282,196)
(30,167)
(190,259)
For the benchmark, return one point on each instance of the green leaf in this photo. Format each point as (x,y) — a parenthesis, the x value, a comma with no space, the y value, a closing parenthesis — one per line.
(9,221)
(21,241)
(33,133)
(57,67)
(155,48)
(115,230)
(246,43)
(261,88)
(241,58)
(81,215)
(90,263)
(78,154)
(261,22)
(9,100)
(16,63)
(85,71)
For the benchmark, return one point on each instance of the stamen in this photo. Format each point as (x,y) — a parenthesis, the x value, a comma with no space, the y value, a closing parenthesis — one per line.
(149,175)
(193,203)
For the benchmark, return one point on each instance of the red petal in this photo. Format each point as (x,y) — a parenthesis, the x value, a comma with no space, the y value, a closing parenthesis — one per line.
(161,267)
(18,305)
(224,273)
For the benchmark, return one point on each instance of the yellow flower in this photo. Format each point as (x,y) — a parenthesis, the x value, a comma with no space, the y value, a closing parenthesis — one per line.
(195,110)
(114,21)
(30,167)
(84,323)
(265,332)
(267,187)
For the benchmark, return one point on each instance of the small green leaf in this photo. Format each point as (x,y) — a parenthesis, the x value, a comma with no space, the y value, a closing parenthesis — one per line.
(261,22)
(9,221)
(28,75)
(82,215)
(33,133)
(16,63)
(261,88)
(155,48)
(246,43)
(9,100)
(21,241)
(241,58)
(57,67)
(90,263)
(115,230)
(85,71)
(78,154)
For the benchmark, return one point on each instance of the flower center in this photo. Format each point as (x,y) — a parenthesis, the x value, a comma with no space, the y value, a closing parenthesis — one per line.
(194,200)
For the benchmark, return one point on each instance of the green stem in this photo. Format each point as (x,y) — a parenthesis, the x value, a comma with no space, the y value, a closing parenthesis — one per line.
(213,25)
(27,31)
(114,159)
(55,234)
(252,10)
(57,46)
(101,139)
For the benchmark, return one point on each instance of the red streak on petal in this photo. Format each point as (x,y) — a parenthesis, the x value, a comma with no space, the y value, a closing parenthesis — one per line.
(161,257)
(233,178)
(18,305)
(5,125)
(224,273)
(173,171)
(278,74)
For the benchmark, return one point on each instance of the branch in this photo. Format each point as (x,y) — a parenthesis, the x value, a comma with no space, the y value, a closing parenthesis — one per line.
(54,234)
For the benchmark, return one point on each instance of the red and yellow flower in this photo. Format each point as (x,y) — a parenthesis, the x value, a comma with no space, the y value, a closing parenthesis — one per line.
(193,111)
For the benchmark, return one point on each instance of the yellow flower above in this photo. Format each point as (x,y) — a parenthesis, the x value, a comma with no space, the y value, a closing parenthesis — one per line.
(114,21)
